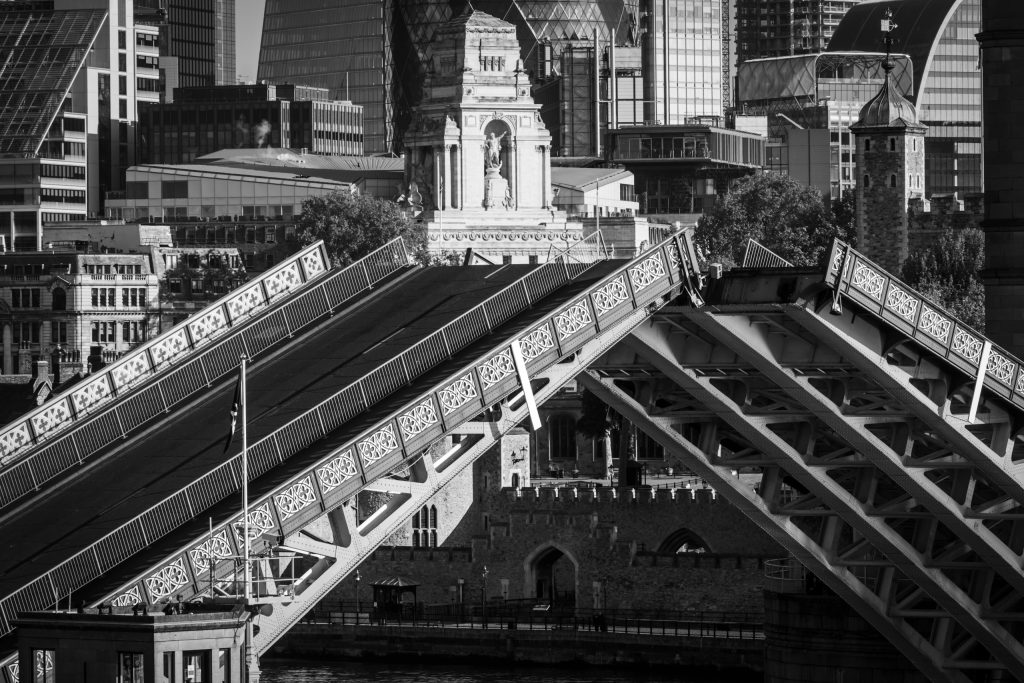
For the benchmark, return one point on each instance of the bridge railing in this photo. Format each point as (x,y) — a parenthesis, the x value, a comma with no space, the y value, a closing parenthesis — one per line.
(275,448)
(216,354)
(853,275)
(156,355)
(371,453)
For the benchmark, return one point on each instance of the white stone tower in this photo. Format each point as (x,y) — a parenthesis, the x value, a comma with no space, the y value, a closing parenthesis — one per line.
(478,160)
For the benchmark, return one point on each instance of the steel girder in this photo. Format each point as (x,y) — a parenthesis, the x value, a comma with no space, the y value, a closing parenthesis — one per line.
(874,476)
(353,543)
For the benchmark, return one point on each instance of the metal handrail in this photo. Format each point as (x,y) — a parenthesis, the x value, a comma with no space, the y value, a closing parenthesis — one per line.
(269,452)
(184,379)
(122,376)
(852,274)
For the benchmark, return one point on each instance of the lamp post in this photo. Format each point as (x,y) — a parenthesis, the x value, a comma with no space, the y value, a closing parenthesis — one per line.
(483,595)
(358,579)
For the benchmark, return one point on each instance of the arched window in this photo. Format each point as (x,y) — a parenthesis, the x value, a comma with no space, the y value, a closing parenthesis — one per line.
(425,539)
(892,180)
(415,539)
(60,299)
(867,180)
(892,144)
(433,516)
(433,539)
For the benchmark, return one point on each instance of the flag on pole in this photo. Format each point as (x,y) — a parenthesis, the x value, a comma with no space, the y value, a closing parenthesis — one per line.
(236,408)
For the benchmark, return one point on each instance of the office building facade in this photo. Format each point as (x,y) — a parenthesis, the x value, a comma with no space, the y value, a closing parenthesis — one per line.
(377,53)
(203,120)
(783,28)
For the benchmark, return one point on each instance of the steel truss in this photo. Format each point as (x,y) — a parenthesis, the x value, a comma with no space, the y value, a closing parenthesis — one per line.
(867,471)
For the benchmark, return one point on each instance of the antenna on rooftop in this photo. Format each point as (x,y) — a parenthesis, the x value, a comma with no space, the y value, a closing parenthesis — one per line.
(888,26)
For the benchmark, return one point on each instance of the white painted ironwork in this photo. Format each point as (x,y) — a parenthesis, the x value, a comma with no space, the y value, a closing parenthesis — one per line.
(168,580)
(378,444)
(54,416)
(336,472)
(216,548)
(128,598)
(44,664)
(612,294)
(1000,367)
(130,370)
(901,302)
(868,280)
(573,319)
(13,440)
(457,394)
(934,323)
(647,272)
(245,302)
(91,394)
(418,418)
(496,369)
(297,497)
(208,325)
(283,280)
(966,344)
(260,522)
(169,348)
(313,264)
(536,343)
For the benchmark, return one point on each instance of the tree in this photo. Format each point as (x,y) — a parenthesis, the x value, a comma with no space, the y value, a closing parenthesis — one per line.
(947,272)
(784,215)
(353,225)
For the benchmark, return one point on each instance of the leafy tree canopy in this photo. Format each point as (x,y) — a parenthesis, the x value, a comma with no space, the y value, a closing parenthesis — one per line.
(784,215)
(947,272)
(353,225)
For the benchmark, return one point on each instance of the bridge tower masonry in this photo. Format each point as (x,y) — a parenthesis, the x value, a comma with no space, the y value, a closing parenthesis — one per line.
(1002,52)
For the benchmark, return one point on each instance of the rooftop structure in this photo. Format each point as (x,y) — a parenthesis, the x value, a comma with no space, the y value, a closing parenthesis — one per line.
(780,28)
(939,38)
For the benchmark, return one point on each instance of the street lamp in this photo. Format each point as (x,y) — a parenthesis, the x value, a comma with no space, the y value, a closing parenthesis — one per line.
(358,579)
(483,595)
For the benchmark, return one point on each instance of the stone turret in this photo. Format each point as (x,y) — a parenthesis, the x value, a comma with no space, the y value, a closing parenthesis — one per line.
(890,163)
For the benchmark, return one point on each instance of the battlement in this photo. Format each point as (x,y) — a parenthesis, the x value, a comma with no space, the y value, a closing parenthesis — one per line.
(568,495)
(973,203)
(393,553)
(645,558)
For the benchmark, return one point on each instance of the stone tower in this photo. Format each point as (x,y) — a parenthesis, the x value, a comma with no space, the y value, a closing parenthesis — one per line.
(1002,53)
(477,155)
(890,167)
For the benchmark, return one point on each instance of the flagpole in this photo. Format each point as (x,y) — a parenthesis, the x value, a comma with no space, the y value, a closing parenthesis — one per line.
(245,481)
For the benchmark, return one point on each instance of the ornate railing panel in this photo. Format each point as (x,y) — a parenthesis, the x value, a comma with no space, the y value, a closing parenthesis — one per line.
(855,276)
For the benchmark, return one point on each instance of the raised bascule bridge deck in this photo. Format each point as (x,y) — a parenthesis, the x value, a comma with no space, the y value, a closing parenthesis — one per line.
(887,463)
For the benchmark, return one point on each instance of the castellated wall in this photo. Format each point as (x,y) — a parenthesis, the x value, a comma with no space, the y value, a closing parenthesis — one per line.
(928,220)
(608,540)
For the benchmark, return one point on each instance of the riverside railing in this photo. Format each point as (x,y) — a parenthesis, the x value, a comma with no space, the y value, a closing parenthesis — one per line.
(149,359)
(134,536)
(529,616)
(215,354)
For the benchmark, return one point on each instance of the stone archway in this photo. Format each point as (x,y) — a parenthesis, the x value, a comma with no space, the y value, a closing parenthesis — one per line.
(551,575)
(683,541)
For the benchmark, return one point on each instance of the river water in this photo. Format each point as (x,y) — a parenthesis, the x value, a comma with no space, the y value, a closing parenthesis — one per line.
(298,671)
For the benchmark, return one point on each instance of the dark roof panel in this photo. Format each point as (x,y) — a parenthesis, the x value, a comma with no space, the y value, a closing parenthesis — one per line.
(918,28)
(44,52)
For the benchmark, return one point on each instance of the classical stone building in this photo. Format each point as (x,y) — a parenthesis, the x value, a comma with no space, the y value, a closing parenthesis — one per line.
(890,160)
(478,157)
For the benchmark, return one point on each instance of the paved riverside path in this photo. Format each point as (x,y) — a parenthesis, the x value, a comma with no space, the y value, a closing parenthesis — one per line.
(125,482)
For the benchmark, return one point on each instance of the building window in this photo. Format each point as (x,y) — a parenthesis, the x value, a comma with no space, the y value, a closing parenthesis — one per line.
(867,181)
(892,180)
(104,332)
(913,144)
(197,666)
(25,332)
(58,332)
(867,145)
(424,527)
(129,667)
(60,300)
(224,664)
(104,297)
(43,671)
(892,144)
(25,298)
(562,437)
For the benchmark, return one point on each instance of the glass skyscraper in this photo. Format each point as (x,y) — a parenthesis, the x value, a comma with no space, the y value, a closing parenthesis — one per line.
(376,52)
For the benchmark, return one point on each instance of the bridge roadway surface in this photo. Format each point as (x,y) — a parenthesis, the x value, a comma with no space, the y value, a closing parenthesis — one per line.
(127,481)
